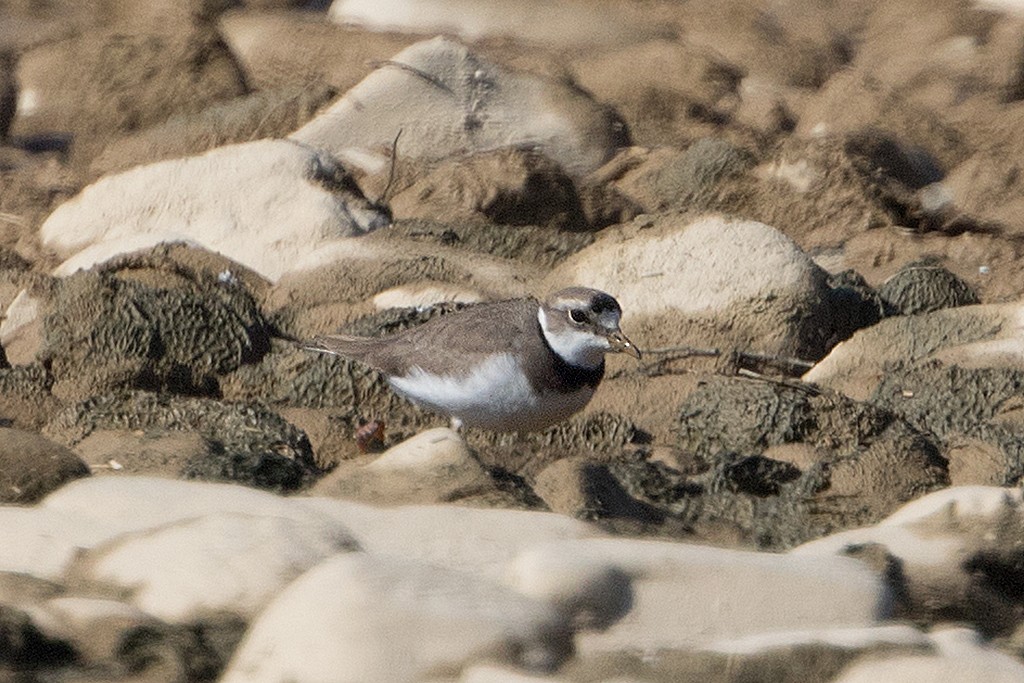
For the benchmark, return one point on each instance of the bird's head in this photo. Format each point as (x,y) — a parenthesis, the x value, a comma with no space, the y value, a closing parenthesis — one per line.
(581,325)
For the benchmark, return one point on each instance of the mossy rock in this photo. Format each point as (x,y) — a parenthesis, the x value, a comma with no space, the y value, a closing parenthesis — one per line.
(953,402)
(104,332)
(250,443)
(867,461)
(924,287)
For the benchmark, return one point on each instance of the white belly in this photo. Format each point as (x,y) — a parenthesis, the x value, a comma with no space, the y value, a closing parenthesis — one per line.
(496,395)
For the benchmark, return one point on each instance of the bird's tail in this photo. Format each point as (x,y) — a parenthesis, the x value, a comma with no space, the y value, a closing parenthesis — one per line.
(339,345)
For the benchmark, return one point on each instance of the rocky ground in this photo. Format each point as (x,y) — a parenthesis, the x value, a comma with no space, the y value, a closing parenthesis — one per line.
(812,214)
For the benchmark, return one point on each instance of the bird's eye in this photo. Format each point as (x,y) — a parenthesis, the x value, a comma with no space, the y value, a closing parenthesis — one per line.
(577,316)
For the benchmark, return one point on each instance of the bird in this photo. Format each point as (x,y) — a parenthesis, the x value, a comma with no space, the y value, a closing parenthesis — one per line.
(516,365)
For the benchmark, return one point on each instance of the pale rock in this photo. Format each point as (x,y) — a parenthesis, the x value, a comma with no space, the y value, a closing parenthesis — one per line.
(988,335)
(861,638)
(45,540)
(961,657)
(595,595)
(425,295)
(43,543)
(468,539)
(446,100)
(909,546)
(21,329)
(1014,7)
(264,204)
(687,595)
(215,563)
(816,654)
(954,547)
(366,618)
(935,530)
(989,502)
(561,23)
(130,516)
(136,503)
(433,448)
(433,466)
(703,280)
(648,257)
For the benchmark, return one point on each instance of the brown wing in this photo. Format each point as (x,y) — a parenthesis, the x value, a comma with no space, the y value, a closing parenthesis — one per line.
(457,341)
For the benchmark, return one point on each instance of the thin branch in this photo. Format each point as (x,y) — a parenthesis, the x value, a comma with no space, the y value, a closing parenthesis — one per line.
(782,381)
(743,361)
(776,361)
(683,352)
(433,80)
(382,200)
(747,356)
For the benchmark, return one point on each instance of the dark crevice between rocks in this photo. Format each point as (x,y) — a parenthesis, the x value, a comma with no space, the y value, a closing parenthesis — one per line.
(187,652)
(517,487)
(24,648)
(855,304)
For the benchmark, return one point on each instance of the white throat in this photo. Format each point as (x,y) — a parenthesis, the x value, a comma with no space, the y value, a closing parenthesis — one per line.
(576,347)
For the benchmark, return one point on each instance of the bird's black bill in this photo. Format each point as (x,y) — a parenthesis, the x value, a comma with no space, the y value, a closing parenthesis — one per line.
(621,344)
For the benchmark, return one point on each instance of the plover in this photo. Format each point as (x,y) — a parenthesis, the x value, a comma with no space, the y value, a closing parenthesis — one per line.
(516,365)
